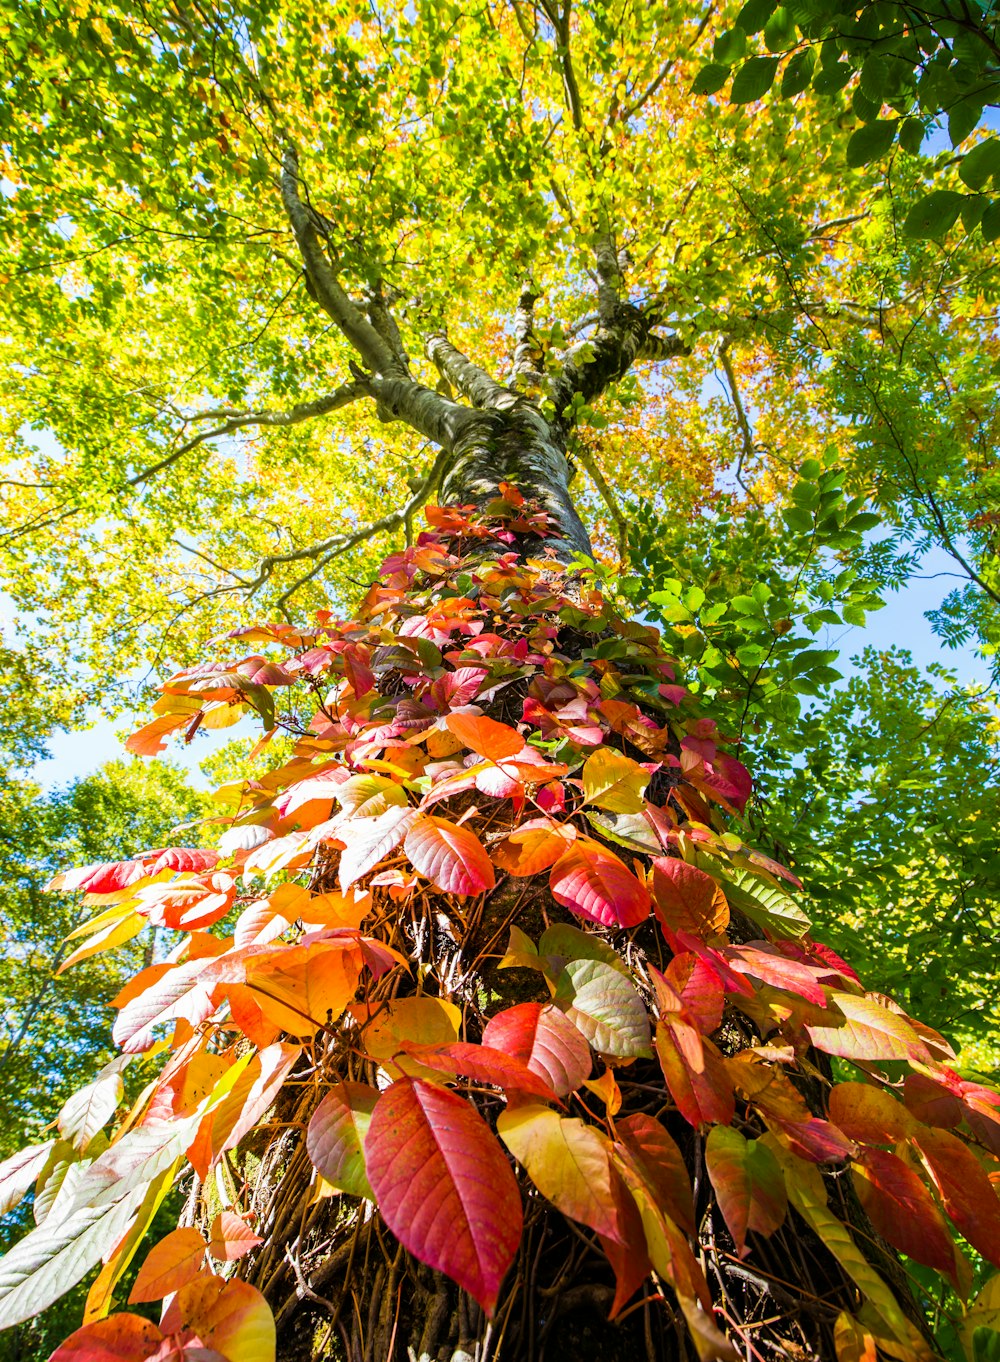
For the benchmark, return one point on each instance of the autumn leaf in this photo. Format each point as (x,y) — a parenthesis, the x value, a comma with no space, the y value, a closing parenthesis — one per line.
(169,1265)
(545,1040)
(336,1136)
(443,1185)
(594,883)
(748,1182)
(451,857)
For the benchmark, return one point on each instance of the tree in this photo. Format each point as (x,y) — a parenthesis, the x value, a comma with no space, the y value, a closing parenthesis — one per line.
(269,215)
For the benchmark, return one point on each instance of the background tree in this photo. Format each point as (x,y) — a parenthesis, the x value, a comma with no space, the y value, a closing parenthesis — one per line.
(265,218)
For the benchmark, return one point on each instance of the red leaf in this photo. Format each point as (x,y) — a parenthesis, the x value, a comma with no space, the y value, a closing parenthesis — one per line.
(748,1182)
(120,1338)
(594,883)
(444,1186)
(699,988)
(485,736)
(230,1237)
(483,1064)
(903,1211)
(772,967)
(451,857)
(660,1164)
(686,899)
(169,1265)
(546,1040)
(703,1095)
(964,1188)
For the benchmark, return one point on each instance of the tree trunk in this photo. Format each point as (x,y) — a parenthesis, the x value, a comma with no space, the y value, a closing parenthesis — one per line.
(339,1283)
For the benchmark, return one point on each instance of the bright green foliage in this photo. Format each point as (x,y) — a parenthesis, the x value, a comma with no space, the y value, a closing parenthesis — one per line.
(747,597)
(890,815)
(900,71)
(55,1031)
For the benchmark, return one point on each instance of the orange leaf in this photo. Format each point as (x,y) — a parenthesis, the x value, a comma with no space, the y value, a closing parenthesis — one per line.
(485,736)
(230,1237)
(169,1265)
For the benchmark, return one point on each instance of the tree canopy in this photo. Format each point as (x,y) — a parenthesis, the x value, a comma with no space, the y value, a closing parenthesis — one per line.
(492,930)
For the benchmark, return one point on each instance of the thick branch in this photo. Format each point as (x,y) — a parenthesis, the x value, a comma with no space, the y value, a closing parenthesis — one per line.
(468,378)
(527,351)
(592,365)
(372,348)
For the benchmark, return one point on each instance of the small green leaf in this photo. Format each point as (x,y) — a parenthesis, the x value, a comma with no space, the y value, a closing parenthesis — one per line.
(989,223)
(709,79)
(981,164)
(754,15)
(753,80)
(934,215)
(911,135)
(779,31)
(962,118)
(875,78)
(798,73)
(730,47)
(871,141)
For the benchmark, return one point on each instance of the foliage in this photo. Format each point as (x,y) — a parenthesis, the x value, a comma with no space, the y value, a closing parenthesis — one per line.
(341,992)
(880,793)
(176,395)
(923,63)
(745,592)
(56,1030)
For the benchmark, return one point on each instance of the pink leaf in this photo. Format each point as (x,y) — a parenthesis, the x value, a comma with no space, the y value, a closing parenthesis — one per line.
(594,883)
(451,857)
(444,1186)
(546,1040)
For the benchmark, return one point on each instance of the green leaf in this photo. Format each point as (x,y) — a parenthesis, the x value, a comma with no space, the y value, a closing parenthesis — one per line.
(779,30)
(798,73)
(871,141)
(753,80)
(962,119)
(911,135)
(934,215)
(605,1006)
(981,164)
(989,223)
(709,79)
(754,15)
(875,79)
(730,47)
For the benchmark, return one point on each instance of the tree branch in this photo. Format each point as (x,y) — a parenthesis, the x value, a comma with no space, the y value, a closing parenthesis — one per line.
(584,456)
(358,330)
(233,420)
(527,351)
(468,378)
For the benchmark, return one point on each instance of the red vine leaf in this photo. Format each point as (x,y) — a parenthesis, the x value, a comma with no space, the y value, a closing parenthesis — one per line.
(644,1142)
(443,1185)
(686,899)
(231,1237)
(903,1210)
(594,883)
(483,1064)
(748,1182)
(120,1338)
(964,1187)
(546,1040)
(451,857)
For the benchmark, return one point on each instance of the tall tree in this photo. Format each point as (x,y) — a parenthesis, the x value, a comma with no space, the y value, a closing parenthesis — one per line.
(453,223)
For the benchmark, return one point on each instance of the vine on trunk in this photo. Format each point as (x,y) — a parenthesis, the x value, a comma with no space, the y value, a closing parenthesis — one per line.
(500,1003)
